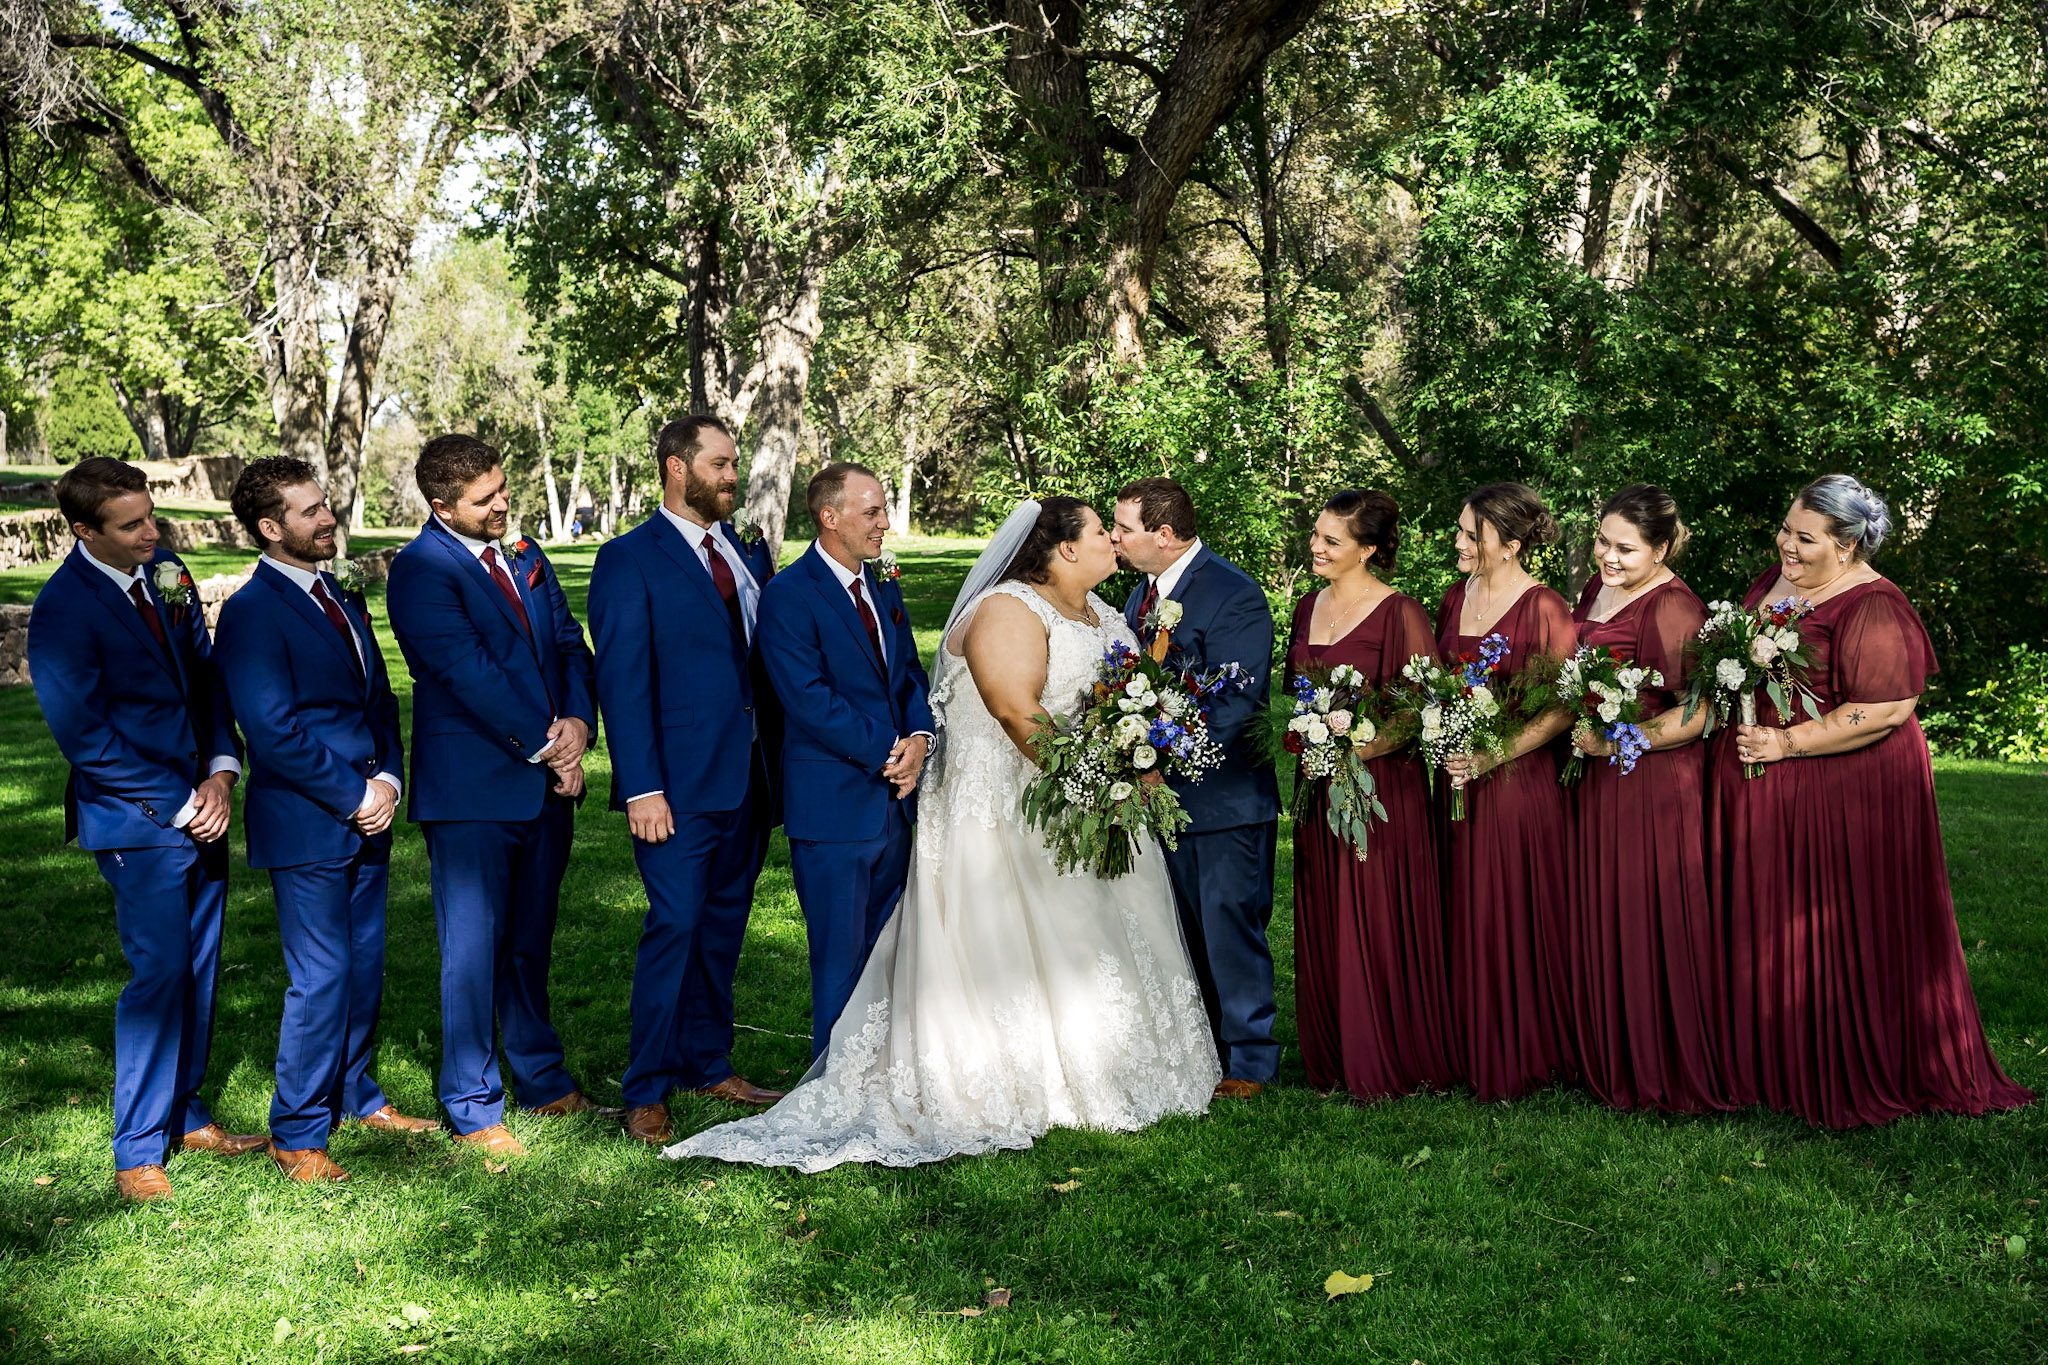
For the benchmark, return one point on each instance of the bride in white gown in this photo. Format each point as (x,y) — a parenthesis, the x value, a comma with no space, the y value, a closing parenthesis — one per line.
(1003,998)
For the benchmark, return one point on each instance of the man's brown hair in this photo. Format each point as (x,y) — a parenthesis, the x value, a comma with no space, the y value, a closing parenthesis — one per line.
(259,491)
(1161,502)
(828,485)
(682,439)
(450,463)
(88,486)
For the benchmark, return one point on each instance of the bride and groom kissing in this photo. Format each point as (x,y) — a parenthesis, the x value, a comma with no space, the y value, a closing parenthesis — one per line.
(967,995)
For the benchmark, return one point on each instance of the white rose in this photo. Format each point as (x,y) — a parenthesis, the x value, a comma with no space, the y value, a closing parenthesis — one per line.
(1168,612)
(1120,791)
(1344,675)
(1317,732)
(1135,687)
(1130,730)
(1300,723)
(1762,650)
(1631,678)
(1432,721)
(1364,732)
(1127,705)
(1729,674)
(1610,711)
(1144,757)
(1656,679)
(1150,698)
(1787,639)
(1340,722)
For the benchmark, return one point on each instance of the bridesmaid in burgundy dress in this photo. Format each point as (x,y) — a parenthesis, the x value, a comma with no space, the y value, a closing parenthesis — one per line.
(1849,1000)
(1645,981)
(1508,890)
(1371,1001)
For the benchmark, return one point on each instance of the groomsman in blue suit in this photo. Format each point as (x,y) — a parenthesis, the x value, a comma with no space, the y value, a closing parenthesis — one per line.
(1222,872)
(694,727)
(315,706)
(839,649)
(122,666)
(503,707)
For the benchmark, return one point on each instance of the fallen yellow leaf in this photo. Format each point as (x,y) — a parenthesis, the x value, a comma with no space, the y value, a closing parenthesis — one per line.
(46,1180)
(1066,1187)
(1340,1283)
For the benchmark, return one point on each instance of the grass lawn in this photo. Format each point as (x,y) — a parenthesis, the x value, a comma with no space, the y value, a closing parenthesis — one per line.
(1548,1229)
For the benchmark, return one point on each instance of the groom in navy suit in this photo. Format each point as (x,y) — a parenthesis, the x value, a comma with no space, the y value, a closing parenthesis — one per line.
(1222,872)
(123,669)
(315,705)
(839,649)
(694,726)
(503,708)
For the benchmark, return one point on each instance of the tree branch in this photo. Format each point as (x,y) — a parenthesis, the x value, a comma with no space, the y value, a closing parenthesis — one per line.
(1116,57)
(1788,206)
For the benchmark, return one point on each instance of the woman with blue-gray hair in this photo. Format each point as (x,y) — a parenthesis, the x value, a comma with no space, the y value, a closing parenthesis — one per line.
(1849,1002)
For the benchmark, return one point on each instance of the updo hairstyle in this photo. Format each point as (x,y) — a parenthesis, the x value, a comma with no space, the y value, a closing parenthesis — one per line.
(1654,514)
(1856,516)
(1515,511)
(1371,518)
(1060,520)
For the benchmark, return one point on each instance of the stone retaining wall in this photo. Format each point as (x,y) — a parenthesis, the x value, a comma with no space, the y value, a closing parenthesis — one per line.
(32,537)
(208,533)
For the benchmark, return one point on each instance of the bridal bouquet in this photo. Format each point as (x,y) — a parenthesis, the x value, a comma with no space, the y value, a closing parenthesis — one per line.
(1739,651)
(1603,690)
(1334,715)
(1103,769)
(1458,708)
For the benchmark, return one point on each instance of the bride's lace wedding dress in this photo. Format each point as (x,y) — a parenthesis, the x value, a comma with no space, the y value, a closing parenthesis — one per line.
(1002,998)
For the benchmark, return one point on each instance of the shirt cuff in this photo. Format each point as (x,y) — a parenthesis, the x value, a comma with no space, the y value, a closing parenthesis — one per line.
(540,754)
(643,795)
(929,736)
(186,811)
(390,780)
(225,763)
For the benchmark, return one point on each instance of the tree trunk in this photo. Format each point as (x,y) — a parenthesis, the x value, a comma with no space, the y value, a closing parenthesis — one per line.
(145,414)
(3,436)
(611,497)
(558,521)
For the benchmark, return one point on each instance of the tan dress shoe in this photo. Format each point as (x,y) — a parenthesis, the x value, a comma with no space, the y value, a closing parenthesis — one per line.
(739,1090)
(219,1141)
(389,1120)
(307,1165)
(496,1140)
(649,1123)
(1231,1088)
(575,1102)
(143,1184)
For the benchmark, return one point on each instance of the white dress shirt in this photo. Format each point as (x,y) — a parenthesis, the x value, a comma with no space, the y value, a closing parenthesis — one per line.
(305,579)
(867,586)
(477,548)
(1169,580)
(124,581)
(706,541)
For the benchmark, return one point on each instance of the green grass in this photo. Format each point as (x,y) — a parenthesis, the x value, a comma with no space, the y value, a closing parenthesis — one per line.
(1549,1229)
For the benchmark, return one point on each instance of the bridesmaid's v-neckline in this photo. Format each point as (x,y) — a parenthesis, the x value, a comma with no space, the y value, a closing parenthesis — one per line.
(1486,630)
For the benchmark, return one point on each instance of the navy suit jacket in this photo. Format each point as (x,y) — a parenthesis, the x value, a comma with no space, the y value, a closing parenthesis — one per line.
(483,692)
(138,723)
(1225,619)
(842,708)
(316,729)
(683,695)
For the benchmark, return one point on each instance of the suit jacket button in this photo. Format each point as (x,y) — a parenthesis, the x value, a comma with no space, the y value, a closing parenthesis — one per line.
(193,754)
(516,744)
(748,709)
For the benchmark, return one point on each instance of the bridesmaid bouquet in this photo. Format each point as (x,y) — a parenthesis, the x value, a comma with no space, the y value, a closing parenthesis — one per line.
(1103,769)
(1739,651)
(1457,708)
(1604,690)
(1333,716)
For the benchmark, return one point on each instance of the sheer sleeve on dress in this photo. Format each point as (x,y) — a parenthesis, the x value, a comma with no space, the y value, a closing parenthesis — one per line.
(1408,634)
(1671,622)
(1551,628)
(1881,650)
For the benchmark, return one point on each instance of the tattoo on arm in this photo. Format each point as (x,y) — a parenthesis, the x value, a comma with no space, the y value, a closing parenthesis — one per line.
(1856,716)
(1793,749)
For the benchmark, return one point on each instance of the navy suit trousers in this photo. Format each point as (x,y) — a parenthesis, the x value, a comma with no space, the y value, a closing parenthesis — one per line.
(330,916)
(497,888)
(1223,888)
(167,910)
(848,891)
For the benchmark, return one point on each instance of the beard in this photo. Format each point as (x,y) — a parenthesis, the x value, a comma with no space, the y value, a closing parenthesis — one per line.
(310,548)
(712,501)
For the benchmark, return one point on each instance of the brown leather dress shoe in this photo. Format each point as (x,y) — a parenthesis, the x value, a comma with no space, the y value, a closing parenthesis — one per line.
(649,1123)
(739,1090)
(389,1120)
(218,1140)
(143,1184)
(1231,1088)
(496,1140)
(575,1102)
(307,1165)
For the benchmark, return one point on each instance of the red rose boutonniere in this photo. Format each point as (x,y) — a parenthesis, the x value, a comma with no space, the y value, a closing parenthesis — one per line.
(887,570)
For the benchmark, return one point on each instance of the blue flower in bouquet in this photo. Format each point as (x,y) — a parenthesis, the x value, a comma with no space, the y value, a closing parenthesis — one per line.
(1493,652)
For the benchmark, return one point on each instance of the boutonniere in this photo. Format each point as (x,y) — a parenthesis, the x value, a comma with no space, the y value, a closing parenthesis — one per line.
(887,570)
(747,529)
(173,584)
(349,576)
(522,551)
(1165,615)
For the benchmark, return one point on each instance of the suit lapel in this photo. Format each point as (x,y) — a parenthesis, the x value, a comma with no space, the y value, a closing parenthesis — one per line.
(300,602)
(686,558)
(359,622)
(123,607)
(839,603)
(1187,575)
(474,567)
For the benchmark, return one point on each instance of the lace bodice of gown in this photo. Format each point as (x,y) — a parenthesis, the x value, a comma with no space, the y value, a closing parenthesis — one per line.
(980,774)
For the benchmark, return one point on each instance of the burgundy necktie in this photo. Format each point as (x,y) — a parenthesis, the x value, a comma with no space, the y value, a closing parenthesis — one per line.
(867,618)
(728,587)
(140,596)
(1151,602)
(504,582)
(339,622)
